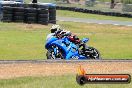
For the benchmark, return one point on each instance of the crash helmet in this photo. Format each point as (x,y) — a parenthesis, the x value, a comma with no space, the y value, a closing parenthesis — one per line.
(55,28)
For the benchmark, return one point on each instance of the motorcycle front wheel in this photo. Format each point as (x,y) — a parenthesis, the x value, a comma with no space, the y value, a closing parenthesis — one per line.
(51,55)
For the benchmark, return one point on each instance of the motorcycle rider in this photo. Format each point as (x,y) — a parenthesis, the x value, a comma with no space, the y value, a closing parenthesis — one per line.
(57,31)
(83,49)
(55,28)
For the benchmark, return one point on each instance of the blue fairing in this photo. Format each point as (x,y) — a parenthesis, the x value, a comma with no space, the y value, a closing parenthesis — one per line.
(49,41)
(85,40)
(69,49)
(66,49)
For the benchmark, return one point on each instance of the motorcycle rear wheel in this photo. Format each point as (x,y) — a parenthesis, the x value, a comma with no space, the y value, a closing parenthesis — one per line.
(92,53)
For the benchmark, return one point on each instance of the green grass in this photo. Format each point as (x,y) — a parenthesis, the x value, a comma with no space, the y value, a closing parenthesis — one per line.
(67,81)
(25,41)
(64,13)
(20,41)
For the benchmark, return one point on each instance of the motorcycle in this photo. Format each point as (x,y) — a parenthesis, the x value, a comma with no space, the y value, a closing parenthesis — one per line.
(63,48)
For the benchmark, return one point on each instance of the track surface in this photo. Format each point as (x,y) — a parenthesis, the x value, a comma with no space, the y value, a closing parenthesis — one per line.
(60,61)
(12,69)
(84,20)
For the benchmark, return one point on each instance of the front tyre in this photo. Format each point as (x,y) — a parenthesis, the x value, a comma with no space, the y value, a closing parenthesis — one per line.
(49,55)
(92,53)
(52,55)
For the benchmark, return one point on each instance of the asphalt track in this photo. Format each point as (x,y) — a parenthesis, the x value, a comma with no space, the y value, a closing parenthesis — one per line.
(58,61)
(84,20)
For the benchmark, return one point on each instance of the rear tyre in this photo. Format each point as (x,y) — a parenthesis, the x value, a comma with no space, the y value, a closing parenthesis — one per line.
(92,53)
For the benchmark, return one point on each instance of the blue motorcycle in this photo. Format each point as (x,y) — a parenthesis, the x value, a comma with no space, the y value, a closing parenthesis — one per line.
(63,48)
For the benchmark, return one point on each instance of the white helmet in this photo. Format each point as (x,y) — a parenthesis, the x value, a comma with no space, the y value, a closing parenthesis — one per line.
(55,28)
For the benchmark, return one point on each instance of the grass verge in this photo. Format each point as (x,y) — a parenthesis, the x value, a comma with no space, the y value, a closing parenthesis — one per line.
(64,13)
(26,41)
(67,81)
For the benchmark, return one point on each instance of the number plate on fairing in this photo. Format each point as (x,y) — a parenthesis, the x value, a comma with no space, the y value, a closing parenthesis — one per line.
(75,57)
